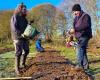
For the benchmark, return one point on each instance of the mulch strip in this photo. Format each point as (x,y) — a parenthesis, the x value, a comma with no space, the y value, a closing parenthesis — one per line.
(50,65)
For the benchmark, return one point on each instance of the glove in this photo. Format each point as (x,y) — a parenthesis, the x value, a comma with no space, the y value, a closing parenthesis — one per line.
(23,35)
(72,31)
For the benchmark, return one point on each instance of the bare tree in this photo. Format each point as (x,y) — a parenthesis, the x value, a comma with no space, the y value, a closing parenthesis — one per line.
(88,6)
(46,19)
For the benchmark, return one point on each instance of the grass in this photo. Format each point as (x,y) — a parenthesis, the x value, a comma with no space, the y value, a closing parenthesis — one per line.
(7,68)
(7,44)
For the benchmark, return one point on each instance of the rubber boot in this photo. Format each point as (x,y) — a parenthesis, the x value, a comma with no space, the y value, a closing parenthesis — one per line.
(17,65)
(24,60)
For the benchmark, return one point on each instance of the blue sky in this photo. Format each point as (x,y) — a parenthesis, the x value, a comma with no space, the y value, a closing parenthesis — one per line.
(11,4)
(98,6)
(98,3)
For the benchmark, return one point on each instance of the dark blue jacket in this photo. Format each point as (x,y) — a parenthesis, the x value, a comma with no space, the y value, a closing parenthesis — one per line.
(18,25)
(82,26)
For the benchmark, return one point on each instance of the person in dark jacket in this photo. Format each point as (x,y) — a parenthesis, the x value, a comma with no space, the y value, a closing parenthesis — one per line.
(18,25)
(83,33)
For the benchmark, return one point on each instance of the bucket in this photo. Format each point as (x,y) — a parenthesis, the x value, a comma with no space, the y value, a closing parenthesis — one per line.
(30,32)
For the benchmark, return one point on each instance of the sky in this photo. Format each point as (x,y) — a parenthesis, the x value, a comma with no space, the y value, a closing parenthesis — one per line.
(98,3)
(98,6)
(11,4)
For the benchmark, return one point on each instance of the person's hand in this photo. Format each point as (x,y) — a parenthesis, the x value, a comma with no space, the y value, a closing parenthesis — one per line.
(23,35)
(72,31)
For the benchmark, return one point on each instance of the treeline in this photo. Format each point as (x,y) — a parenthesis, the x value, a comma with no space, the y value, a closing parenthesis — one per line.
(5,26)
(49,20)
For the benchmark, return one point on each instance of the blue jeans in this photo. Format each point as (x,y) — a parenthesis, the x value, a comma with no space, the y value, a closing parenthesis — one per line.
(82,52)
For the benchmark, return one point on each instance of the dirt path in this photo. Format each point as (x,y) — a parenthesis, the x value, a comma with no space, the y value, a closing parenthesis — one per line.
(50,65)
(3,50)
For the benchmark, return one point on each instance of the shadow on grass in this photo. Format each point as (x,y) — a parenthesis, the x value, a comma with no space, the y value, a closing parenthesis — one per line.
(93,72)
(94,61)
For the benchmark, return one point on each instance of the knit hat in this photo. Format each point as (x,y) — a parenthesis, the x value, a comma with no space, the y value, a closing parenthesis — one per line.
(76,7)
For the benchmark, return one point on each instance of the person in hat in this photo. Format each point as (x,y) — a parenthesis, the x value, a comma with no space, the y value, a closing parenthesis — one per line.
(18,25)
(83,33)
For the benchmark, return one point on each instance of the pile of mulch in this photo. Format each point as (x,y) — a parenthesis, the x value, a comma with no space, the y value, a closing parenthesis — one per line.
(51,65)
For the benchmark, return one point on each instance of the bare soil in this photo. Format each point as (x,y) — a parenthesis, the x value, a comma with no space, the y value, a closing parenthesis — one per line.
(50,65)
